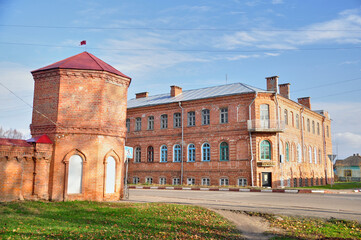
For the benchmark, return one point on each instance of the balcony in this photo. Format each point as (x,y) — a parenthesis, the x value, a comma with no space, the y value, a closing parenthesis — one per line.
(271,126)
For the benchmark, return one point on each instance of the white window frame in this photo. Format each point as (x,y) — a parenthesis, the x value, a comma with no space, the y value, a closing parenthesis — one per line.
(206,181)
(138,124)
(191,118)
(176,181)
(164,121)
(191,181)
(149,180)
(138,154)
(150,123)
(242,182)
(223,115)
(177,120)
(162,181)
(223,182)
(136,180)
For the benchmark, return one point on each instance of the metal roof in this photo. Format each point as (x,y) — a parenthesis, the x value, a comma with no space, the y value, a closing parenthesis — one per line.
(83,61)
(195,94)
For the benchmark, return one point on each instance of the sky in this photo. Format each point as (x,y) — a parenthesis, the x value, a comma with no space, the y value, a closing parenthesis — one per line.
(313,44)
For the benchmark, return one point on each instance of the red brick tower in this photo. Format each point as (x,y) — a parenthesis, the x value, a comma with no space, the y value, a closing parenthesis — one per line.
(80,103)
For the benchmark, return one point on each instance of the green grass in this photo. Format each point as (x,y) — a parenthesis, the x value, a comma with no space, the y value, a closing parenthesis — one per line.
(313,228)
(338,186)
(92,220)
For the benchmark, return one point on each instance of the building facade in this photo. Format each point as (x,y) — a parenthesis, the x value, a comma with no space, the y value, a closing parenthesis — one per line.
(231,134)
(349,169)
(80,108)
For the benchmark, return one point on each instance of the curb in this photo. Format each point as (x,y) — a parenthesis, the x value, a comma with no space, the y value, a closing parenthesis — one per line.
(250,190)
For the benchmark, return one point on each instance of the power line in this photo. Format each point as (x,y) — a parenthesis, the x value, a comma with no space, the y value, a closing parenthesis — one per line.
(329,84)
(187,50)
(29,105)
(340,93)
(179,29)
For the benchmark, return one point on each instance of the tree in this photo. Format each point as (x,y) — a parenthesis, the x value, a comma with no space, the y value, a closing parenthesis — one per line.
(11,133)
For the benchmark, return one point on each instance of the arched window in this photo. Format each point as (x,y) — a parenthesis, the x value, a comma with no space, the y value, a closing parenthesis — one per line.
(313,127)
(310,154)
(287,152)
(308,125)
(150,154)
(318,128)
(297,121)
(111,172)
(75,174)
(319,156)
(206,152)
(315,154)
(164,154)
(138,156)
(265,150)
(224,156)
(177,153)
(191,153)
(286,116)
(299,153)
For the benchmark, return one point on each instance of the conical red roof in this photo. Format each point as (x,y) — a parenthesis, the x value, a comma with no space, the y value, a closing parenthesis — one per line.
(83,61)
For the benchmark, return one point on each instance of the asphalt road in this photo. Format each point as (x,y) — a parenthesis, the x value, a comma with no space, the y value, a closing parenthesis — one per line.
(343,206)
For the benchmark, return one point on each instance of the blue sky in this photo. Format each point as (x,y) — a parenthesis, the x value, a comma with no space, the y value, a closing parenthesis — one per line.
(313,44)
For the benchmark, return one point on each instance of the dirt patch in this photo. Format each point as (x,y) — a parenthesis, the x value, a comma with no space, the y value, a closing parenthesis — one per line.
(252,227)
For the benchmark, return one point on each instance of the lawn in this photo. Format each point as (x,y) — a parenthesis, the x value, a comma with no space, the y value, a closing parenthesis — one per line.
(92,220)
(338,186)
(312,228)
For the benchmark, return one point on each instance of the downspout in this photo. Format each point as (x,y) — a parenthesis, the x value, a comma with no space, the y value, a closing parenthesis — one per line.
(180,105)
(250,137)
(278,135)
(324,148)
(302,139)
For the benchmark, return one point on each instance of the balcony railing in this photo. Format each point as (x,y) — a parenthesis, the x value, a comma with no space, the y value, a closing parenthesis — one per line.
(258,125)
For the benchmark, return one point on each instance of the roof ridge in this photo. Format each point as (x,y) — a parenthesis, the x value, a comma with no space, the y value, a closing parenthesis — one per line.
(91,56)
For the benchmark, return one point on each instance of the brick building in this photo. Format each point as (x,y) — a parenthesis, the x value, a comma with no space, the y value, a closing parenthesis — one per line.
(232,134)
(78,129)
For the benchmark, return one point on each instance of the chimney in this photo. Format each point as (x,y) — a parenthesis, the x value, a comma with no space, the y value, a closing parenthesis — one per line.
(305,101)
(285,90)
(141,95)
(272,83)
(175,91)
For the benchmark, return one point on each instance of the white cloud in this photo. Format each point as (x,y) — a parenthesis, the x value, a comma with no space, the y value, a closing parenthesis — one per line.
(349,139)
(350,62)
(345,29)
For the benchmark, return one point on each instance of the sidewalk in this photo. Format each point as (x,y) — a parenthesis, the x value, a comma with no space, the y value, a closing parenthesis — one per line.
(326,191)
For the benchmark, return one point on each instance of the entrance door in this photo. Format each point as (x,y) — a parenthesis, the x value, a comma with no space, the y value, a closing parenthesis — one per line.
(266,179)
(264,116)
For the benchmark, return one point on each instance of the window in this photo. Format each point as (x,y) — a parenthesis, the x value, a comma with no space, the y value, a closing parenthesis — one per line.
(224,115)
(299,153)
(206,152)
(138,156)
(265,150)
(162,181)
(318,128)
(176,181)
(308,125)
(110,177)
(313,127)
(177,153)
(136,180)
(150,123)
(177,120)
(297,121)
(327,131)
(319,156)
(242,182)
(206,181)
(287,153)
(191,118)
(224,156)
(223,182)
(310,154)
(191,153)
(205,117)
(138,124)
(347,173)
(292,119)
(315,154)
(149,180)
(127,124)
(164,121)
(191,181)
(150,154)
(286,116)
(164,154)
(75,174)
(264,116)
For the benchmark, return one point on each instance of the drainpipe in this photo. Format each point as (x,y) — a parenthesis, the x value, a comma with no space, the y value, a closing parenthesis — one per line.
(250,138)
(278,135)
(180,105)
(302,137)
(324,148)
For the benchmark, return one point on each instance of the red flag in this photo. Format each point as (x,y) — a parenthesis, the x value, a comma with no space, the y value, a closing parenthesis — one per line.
(83,42)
